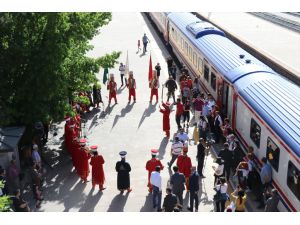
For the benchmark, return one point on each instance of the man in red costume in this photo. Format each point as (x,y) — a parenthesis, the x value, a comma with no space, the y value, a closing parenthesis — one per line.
(131,85)
(154,85)
(97,162)
(166,118)
(83,160)
(75,154)
(112,87)
(184,164)
(151,165)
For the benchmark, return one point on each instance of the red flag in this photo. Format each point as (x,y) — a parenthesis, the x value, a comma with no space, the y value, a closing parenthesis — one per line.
(150,69)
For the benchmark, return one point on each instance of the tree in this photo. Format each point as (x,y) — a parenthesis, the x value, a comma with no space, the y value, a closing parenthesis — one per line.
(43,63)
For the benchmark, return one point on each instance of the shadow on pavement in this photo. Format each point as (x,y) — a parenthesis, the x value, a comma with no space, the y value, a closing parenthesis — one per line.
(148,111)
(124,111)
(162,148)
(91,201)
(147,207)
(118,203)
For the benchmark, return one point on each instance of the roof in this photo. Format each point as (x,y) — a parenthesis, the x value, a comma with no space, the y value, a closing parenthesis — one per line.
(9,138)
(277,101)
(235,61)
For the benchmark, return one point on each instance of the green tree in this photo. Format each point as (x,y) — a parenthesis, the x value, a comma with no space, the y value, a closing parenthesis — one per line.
(43,62)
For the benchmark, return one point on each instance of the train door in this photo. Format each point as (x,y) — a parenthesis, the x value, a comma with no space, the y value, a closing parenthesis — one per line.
(227,100)
(220,93)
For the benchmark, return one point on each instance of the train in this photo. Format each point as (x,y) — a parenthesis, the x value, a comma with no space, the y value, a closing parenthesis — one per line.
(263,106)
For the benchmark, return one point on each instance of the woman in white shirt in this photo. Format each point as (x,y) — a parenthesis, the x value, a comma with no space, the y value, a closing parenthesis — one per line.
(222,187)
(219,169)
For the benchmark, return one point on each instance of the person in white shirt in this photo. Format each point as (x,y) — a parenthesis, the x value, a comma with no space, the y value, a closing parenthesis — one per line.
(219,169)
(176,150)
(184,138)
(203,127)
(222,187)
(156,182)
(122,69)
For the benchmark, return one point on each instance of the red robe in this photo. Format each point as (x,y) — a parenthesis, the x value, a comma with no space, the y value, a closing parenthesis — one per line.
(98,176)
(84,164)
(166,117)
(184,164)
(150,166)
(75,156)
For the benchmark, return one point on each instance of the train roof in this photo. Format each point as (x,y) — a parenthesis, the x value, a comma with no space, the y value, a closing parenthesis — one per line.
(235,63)
(277,101)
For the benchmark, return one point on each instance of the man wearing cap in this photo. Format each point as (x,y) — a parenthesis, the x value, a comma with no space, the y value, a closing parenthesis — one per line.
(131,85)
(112,87)
(176,150)
(166,118)
(84,157)
(156,182)
(123,168)
(194,188)
(97,162)
(184,164)
(151,165)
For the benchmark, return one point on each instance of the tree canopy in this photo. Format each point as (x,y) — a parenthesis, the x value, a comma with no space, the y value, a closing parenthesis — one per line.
(43,62)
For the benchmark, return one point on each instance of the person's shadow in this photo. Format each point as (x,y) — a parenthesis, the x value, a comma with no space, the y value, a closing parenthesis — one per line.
(120,89)
(118,203)
(91,201)
(147,207)
(124,111)
(148,111)
(162,148)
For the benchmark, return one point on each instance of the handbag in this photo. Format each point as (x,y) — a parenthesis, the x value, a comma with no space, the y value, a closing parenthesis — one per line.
(220,196)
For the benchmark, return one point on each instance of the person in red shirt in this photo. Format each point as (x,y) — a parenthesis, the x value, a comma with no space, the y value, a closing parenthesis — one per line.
(166,118)
(189,82)
(112,87)
(154,85)
(97,162)
(131,85)
(151,165)
(184,164)
(83,161)
(179,112)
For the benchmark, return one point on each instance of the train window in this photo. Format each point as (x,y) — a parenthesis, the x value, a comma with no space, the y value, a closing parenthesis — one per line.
(206,72)
(182,43)
(190,53)
(293,179)
(186,48)
(213,81)
(195,59)
(200,65)
(255,132)
(273,153)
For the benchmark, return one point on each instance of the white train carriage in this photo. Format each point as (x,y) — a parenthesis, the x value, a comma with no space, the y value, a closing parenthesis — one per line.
(161,21)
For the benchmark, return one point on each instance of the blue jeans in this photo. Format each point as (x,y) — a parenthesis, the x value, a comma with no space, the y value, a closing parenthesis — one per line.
(156,197)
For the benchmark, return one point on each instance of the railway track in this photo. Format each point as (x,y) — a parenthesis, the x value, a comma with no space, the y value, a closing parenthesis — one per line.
(284,22)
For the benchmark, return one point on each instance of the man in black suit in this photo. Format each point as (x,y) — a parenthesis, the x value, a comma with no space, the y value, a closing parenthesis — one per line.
(177,181)
(194,188)
(200,157)
(170,201)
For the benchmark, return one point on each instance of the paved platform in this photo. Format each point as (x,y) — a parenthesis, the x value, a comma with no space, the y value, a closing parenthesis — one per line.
(135,128)
(276,42)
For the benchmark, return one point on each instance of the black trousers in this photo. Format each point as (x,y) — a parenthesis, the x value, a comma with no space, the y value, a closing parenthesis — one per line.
(194,198)
(200,165)
(227,171)
(122,76)
(186,116)
(220,206)
(171,93)
(177,118)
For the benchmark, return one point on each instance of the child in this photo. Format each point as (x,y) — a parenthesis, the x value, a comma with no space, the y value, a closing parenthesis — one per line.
(139,45)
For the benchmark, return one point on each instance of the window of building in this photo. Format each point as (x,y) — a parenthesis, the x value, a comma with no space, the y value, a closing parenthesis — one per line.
(195,61)
(213,81)
(186,48)
(190,53)
(206,72)
(273,153)
(200,65)
(255,132)
(293,179)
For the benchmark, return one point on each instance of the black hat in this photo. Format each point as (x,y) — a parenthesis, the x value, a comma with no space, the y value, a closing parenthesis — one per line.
(122,154)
